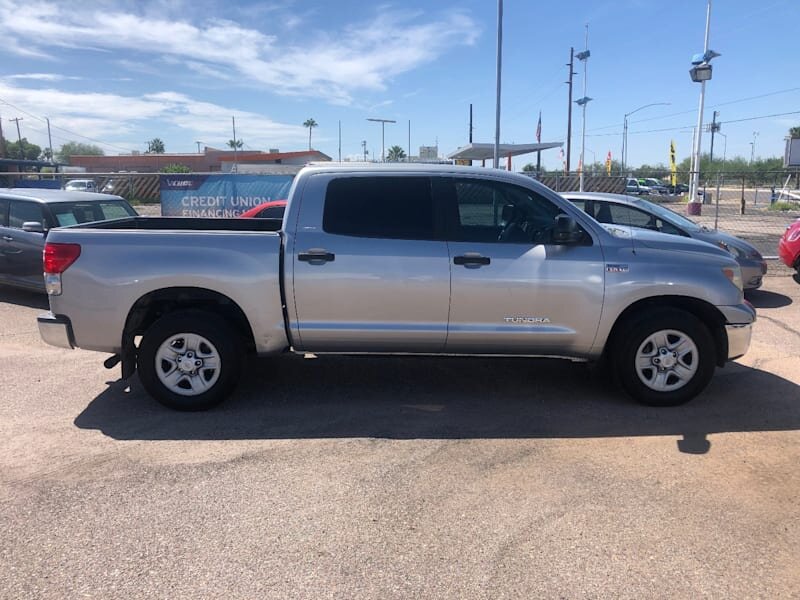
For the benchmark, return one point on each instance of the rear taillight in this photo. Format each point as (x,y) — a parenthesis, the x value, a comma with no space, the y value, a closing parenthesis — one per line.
(58,257)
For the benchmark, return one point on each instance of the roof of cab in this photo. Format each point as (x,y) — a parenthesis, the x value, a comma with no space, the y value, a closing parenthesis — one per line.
(47,196)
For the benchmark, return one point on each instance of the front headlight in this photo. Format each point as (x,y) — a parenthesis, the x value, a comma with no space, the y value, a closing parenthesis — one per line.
(734,275)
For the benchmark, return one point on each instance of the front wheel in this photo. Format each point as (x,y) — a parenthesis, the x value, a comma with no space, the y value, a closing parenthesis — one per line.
(665,358)
(190,360)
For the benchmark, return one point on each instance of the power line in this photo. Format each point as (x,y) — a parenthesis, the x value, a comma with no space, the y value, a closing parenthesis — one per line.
(43,120)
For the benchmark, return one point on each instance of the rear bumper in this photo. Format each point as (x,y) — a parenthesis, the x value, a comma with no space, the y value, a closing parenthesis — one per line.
(738,339)
(56,330)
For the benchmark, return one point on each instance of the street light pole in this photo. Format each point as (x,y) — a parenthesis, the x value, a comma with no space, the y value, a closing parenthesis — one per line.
(695,181)
(753,148)
(383,123)
(625,131)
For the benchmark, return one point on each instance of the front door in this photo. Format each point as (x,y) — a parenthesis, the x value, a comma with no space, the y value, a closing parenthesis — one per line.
(368,272)
(22,250)
(513,290)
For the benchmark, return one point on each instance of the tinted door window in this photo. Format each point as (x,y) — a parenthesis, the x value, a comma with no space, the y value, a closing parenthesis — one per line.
(625,215)
(499,212)
(72,213)
(3,212)
(21,212)
(380,207)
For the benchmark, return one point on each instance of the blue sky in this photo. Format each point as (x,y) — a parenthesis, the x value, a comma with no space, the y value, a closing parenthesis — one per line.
(124,71)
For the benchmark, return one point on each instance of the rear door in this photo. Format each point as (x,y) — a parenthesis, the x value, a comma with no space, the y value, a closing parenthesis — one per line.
(369,271)
(513,290)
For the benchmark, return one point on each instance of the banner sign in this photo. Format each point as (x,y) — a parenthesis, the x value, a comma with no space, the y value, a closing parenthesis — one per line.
(221,196)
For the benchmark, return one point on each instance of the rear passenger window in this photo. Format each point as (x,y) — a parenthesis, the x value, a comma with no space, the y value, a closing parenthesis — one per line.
(3,212)
(380,207)
(22,212)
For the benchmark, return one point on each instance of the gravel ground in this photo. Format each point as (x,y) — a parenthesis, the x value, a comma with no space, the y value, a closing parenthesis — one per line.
(384,478)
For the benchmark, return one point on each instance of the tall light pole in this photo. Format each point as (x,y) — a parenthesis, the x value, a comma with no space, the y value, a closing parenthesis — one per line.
(624,156)
(383,123)
(499,70)
(582,102)
(753,148)
(701,73)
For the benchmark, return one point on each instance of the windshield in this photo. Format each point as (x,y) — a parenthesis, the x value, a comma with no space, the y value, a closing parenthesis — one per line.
(666,214)
(72,213)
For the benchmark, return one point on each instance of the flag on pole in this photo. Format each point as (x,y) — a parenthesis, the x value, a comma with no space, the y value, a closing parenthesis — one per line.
(539,129)
(673,168)
(608,163)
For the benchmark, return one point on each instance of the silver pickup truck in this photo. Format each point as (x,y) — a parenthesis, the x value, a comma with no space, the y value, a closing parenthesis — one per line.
(397,259)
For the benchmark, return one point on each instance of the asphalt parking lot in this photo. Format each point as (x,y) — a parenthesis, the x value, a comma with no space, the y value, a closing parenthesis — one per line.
(400,478)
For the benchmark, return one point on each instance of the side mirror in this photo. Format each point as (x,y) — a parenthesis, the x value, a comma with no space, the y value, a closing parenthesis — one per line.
(566,231)
(32,227)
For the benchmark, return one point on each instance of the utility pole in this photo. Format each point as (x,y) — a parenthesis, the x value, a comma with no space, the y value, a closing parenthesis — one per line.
(2,140)
(49,139)
(571,65)
(714,128)
(408,158)
(364,149)
(470,123)
(340,141)
(499,79)
(21,150)
(235,144)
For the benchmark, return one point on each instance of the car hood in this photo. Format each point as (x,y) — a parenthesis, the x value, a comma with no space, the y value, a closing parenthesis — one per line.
(715,237)
(664,241)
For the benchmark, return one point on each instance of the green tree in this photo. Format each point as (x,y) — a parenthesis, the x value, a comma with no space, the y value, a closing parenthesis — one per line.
(176,168)
(77,149)
(155,146)
(395,154)
(310,123)
(794,132)
(23,150)
(235,144)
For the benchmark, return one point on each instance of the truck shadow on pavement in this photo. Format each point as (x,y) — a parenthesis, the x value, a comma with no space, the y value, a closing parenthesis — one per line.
(22,297)
(445,398)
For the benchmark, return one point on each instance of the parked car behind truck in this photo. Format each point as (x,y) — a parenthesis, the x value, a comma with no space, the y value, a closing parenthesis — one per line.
(411,259)
(26,215)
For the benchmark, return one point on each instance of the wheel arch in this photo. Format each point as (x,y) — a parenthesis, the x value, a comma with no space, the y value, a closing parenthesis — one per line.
(157,303)
(706,312)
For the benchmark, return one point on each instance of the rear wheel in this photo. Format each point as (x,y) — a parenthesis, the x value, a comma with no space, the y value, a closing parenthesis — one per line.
(190,360)
(664,358)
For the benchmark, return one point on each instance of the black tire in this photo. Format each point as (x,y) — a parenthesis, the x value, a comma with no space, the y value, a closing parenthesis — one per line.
(215,335)
(678,382)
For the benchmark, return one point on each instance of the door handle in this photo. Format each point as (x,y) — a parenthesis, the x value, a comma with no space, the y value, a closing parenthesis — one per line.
(8,238)
(316,256)
(471,260)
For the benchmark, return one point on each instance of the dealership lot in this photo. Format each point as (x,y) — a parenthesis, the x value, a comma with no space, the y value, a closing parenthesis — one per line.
(399,477)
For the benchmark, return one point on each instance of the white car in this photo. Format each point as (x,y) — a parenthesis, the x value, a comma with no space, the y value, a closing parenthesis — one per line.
(81,185)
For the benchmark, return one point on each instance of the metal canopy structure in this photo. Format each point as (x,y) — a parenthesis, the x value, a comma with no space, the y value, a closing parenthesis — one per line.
(486,151)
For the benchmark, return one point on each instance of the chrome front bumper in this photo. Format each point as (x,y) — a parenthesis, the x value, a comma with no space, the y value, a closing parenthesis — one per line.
(738,339)
(55,330)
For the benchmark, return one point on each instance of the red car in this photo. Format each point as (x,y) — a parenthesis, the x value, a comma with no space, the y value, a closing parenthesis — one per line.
(268,210)
(789,246)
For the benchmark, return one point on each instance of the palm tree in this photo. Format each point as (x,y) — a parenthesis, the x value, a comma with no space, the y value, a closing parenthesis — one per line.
(395,154)
(310,123)
(235,144)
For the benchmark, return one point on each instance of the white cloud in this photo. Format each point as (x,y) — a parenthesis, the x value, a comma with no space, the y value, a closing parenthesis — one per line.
(332,65)
(43,77)
(119,120)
